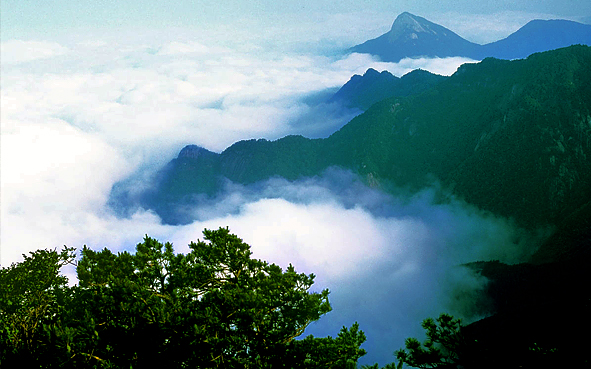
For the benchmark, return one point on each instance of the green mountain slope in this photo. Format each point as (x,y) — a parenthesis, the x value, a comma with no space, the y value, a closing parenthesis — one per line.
(512,137)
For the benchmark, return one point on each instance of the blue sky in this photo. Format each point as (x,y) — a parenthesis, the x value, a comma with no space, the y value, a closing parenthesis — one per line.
(34,17)
(96,92)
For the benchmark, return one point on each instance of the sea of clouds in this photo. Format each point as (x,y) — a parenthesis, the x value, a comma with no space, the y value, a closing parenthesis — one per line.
(79,115)
(82,112)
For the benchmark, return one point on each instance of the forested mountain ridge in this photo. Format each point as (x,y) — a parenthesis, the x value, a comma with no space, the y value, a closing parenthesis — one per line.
(412,36)
(363,91)
(503,134)
(512,137)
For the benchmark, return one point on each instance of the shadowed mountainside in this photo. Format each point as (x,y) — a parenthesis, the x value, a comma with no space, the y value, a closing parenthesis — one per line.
(363,91)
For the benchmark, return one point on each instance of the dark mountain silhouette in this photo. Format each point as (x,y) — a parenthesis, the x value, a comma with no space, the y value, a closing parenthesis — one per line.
(363,91)
(412,37)
(538,310)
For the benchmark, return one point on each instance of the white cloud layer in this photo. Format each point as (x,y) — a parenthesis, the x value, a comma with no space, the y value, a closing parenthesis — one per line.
(92,112)
(19,51)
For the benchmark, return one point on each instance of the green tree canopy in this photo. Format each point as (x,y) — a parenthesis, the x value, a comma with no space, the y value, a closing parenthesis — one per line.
(214,307)
(32,293)
(440,350)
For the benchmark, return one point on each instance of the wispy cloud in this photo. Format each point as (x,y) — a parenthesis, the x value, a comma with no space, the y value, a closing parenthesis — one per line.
(18,51)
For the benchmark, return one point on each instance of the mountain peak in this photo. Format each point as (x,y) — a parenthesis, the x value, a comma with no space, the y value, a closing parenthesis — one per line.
(414,36)
(405,16)
(193,152)
(371,73)
(410,25)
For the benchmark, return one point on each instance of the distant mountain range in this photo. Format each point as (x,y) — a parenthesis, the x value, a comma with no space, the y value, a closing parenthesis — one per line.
(412,37)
